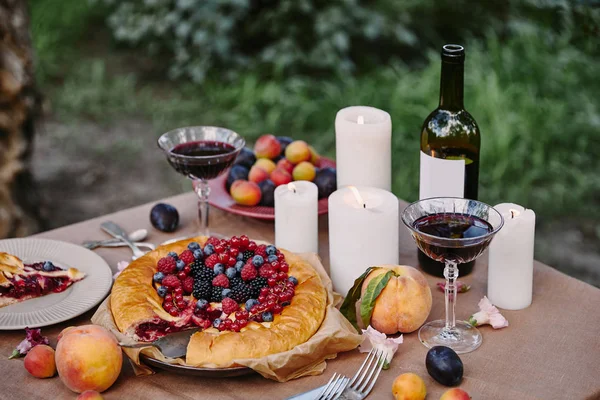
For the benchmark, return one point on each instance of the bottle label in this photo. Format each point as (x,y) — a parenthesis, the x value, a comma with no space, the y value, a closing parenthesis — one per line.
(441,177)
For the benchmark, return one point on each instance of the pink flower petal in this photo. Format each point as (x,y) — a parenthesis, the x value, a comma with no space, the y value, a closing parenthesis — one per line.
(488,314)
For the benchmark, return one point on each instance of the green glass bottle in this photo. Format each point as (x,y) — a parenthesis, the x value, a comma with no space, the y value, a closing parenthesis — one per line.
(450,143)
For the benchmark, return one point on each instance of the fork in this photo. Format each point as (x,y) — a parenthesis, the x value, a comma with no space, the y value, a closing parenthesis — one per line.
(334,388)
(363,381)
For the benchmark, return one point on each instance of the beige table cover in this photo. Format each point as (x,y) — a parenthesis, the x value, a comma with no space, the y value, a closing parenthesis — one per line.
(551,350)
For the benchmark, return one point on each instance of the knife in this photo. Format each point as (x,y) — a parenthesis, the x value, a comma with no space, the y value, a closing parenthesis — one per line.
(173,345)
(115,230)
(310,395)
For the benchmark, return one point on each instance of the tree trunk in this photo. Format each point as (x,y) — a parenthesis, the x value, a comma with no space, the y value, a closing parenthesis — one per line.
(19,104)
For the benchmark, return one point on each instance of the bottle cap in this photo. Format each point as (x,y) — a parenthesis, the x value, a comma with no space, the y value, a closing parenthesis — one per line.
(453,53)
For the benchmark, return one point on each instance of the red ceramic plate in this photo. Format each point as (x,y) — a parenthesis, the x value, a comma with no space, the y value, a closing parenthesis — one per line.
(220,198)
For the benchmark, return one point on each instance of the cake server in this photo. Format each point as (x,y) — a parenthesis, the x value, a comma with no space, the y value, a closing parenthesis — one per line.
(135,236)
(173,345)
(115,230)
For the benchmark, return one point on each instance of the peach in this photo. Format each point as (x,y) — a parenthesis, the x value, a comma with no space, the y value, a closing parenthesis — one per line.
(304,171)
(39,362)
(404,304)
(257,174)
(266,164)
(285,164)
(281,177)
(246,193)
(409,386)
(315,158)
(267,146)
(297,151)
(455,394)
(90,395)
(88,357)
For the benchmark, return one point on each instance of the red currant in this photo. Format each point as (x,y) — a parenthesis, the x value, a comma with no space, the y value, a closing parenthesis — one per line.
(219,249)
(228,323)
(242,314)
(281,276)
(286,296)
(277,309)
(168,298)
(242,322)
(262,298)
(274,265)
(280,257)
(234,242)
(177,291)
(233,252)
(252,246)
(271,281)
(235,327)
(244,242)
(221,327)
(264,291)
(284,267)
(174,312)
(277,289)
(271,303)
(187,269)
(181,304)
(178,297)
(272,297)
(181,275)
(231,262)
(223,258)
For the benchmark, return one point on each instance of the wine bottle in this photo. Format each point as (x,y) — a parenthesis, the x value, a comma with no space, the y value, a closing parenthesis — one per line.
(450,143)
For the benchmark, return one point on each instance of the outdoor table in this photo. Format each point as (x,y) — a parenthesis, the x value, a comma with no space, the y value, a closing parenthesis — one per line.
(550,350)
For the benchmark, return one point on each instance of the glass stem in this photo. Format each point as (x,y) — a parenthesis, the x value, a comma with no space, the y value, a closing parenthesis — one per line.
(203,190)
(451,274)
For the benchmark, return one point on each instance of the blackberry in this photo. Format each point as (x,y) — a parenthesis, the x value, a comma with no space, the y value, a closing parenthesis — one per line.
(241,293)
(216,294)
(201,272)
(256,284)
(235,281)
(202,289)
(248,254)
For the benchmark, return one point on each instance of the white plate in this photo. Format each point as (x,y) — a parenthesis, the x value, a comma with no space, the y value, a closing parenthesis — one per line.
(56,307)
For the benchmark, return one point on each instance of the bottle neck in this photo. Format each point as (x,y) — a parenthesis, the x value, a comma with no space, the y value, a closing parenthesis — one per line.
(452,85)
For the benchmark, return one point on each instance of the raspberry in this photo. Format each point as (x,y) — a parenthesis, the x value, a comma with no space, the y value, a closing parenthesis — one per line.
(248,272)
(261,251)
(166,265)
(171,282)
(188,284)
(187,257)
(229,305)
(213,240)
(211,260)
(266,271)
(220,281)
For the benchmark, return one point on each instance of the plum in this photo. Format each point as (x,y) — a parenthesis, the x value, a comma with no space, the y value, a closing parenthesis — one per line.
(267,188)
(246,158)
(164,217)
(236,172)
(326,181)
(284,141)
(444,365)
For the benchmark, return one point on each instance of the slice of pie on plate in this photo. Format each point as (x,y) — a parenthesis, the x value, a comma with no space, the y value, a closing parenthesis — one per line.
(249,300)
(20,282)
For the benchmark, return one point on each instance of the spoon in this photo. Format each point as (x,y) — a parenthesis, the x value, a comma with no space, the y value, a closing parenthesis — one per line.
(173,345)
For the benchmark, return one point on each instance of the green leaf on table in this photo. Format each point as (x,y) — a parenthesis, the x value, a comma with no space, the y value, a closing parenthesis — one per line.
(348,308)
(373,290)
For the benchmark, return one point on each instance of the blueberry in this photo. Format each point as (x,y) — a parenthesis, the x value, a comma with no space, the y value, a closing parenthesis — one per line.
(209,249)
(240,256)
(158,277)
(271,250)
(293,280)
(217,322)
(219,269)
(267,316)
(251,303)
(257,261)
(162,291)
(201,304)
(48,266)
(272,258)
(285,303)
(225,293)
(193,246)
(164,217)
(198,254)
(173,255)
(238,266)
(180,265)
(230,272)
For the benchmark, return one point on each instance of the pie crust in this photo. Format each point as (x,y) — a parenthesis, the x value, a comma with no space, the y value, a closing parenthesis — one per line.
(134,301)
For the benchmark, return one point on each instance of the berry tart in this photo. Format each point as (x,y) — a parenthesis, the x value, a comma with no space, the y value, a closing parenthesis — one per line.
(249,300)
(20,282)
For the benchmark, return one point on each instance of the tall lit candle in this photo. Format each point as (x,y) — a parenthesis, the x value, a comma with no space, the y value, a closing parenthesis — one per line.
(296,217)
(363,147)
(363,232)
(510,271)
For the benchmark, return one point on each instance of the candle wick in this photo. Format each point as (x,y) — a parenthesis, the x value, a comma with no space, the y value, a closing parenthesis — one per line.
(294,190)
(512,214)
(364,205)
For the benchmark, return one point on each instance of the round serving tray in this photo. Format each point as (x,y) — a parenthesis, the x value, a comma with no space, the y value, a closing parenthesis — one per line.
(194,371)
(220,198)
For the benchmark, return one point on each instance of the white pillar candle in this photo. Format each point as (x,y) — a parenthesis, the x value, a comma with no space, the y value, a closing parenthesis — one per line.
(510,271)
(363,147)
(296,217)
(363,232)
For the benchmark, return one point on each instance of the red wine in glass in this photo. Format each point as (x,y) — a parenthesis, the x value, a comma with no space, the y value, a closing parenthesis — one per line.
(452,226)
(207,158)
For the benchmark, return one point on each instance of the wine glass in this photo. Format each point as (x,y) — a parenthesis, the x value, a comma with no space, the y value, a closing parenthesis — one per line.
(201,153)
(453,231)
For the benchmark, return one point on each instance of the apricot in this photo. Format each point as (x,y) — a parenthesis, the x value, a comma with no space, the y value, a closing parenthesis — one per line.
(257,174)
(88,357)
(267,146)
(409,386)
(285,164)
(315,158)
(281,177)
(246,193)
(455,394)
(297,151)
(39,362)
(90,395)
(304,171)
(265,164)
(404,304)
